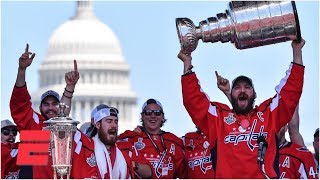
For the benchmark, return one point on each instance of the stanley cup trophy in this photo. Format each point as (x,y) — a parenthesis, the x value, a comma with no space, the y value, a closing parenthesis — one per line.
(246,24)
(62,131)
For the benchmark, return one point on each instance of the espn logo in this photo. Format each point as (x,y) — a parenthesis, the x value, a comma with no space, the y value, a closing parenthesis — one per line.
(34,147)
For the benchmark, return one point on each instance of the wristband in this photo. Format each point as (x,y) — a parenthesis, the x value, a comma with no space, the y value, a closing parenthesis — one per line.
(68,91)
(188,71)
(67,96)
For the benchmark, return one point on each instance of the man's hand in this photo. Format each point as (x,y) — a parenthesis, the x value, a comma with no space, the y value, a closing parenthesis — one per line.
(186,59)
(72,77)
(223,83)
(137,129)
(298,45)
(25,59)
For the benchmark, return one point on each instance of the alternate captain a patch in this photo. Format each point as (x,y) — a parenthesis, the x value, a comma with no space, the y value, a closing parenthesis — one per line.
(230,119)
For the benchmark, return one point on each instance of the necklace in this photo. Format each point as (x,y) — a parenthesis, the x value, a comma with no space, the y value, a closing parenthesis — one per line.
(153,143)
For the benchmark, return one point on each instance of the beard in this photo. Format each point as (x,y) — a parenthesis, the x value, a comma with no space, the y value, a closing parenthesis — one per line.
(105,137)
(241,110)
(44,114)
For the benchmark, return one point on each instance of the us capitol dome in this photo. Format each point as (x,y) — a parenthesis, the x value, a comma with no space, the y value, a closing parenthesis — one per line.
(104,74)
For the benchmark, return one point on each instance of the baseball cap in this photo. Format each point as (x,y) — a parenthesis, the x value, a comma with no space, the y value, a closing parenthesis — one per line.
(50,93)
(102,111)
(101,106)
(152,101)
(316,133)
(7,123)
(242,78)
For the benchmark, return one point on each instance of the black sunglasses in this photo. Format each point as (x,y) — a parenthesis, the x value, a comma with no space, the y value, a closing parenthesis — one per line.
(6,132)
(155,112)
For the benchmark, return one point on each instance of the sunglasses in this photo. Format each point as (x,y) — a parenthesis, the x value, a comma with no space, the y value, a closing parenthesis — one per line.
(155,112)
(6,132)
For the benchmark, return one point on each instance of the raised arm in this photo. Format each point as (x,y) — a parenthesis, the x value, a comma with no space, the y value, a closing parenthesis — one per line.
(297,51)
(289,89)
(25,61)
(71,78)
(293,128)
(196,101)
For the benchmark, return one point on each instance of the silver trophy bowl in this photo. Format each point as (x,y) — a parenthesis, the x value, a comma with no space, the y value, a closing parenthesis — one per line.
(61,139)
(246,24)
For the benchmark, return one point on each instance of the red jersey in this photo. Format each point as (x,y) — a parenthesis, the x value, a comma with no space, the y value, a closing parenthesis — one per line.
(85,163)
(237,148)
(198,156)
(296,162)
(164,152)
(131,154)
(9,168)
(27,119)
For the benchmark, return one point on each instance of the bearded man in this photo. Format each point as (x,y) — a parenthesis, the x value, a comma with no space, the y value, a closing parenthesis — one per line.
(245,137)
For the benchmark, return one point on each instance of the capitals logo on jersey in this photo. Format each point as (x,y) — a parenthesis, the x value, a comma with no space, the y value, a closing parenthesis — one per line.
(163,165)
(12,175)
(204,162)
(246,137)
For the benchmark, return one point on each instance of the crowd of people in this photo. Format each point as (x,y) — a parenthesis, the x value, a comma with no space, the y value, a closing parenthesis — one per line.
(244,141)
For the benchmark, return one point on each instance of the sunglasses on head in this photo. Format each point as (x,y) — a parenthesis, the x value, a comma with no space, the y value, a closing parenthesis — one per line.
(155,112)
(6,132)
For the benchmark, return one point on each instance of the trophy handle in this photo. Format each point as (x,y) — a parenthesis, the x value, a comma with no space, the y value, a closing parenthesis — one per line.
(62,107)
(296,17)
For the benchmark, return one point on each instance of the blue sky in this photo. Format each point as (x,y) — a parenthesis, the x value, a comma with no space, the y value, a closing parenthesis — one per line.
(147,34)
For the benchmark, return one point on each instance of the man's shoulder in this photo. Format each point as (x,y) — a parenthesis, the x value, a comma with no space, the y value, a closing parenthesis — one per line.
(85,140)
(129,134)
(221,105)
(264,105)
(171,137)
(191,135)
(296,150)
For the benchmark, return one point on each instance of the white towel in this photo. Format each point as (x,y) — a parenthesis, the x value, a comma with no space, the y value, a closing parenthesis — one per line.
(119,171)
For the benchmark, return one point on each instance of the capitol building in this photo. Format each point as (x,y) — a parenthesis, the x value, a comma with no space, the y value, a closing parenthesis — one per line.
(104,73)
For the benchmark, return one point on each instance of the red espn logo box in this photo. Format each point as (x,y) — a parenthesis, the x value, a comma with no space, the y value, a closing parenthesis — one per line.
(33,147)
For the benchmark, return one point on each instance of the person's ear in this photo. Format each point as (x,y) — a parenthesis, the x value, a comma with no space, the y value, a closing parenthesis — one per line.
(98,125)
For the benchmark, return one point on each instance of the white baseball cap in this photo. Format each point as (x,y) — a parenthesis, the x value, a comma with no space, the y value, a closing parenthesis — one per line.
(7,123)
(152,101)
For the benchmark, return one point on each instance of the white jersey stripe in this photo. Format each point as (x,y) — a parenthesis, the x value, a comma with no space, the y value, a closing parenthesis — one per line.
(275,100)
(212,109)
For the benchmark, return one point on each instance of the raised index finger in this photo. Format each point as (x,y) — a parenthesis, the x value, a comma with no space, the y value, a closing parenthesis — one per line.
(75,65)
(216,74)
(27,48)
